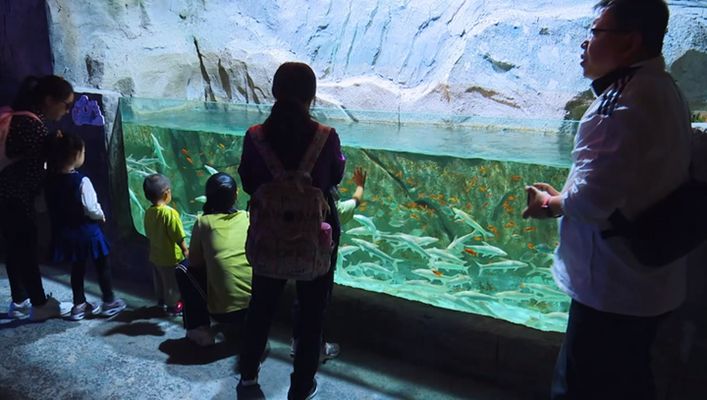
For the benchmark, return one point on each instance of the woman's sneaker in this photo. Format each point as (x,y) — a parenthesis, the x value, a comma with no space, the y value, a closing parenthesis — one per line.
(53,308)
(19,311)
(112,308)
(81,311)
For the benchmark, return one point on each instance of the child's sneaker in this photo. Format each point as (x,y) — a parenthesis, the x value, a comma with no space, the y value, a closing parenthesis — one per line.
(175,311)
(310,395)
(201,336)
(19,311)
(53,308)
(80,311)
(112,308)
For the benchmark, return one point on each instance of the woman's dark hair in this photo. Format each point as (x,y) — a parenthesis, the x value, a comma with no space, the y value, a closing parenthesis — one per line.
(221,194)
(63,150)
(34,90)
(155,186)
(289,128)
(648,17)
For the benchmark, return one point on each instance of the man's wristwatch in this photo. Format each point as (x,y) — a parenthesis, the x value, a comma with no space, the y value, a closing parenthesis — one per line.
(548,210)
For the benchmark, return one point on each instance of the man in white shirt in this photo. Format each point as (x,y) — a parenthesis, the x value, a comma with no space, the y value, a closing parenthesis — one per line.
(631,150)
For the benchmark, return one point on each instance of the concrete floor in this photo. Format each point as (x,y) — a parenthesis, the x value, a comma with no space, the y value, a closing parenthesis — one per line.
(142,355)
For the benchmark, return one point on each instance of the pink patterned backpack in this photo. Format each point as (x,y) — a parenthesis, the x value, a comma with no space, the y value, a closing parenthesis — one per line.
(287,236)
(6,115)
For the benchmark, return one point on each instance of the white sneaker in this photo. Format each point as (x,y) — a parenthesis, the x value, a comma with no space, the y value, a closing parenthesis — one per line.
(201,336)
(326,352)
(79,312)
(19,311)
(112,308)
(53,308)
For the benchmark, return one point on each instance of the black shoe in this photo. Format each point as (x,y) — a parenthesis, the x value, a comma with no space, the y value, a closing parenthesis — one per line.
(310,394)
(249,390)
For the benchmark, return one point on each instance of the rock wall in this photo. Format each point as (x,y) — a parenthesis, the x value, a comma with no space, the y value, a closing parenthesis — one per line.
(475,57)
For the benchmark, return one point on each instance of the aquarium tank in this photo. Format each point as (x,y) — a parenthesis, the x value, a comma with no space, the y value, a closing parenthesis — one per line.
(441,219)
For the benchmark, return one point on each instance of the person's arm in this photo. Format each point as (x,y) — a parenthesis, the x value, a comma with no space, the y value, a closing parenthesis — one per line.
(359,179)
(176,233)
(89,200)
(196,252)
(244,169)
(339,160)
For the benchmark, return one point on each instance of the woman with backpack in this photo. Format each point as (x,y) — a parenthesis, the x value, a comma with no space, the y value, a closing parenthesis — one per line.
(23,142)
(289,165)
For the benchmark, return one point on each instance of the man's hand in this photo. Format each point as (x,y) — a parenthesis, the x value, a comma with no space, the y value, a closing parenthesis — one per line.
(538,200)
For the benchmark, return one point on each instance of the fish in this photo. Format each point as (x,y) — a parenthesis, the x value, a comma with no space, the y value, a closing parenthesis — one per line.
(459,242)
(185,151)
(544,249)
(221,146)
(134,200)
(510,225)
(430,275)
(376,268)
(359,231)
(158,149)
(211,170)
(345,251)
(529,229)
(473,295)
(501,266)
(513,295)
(459,280)
(200,199)
(531,246)
(516,178)
(471,252)
(189,160)
(463,267)
(445,255)
(374,251)
(366,222)
(486,250)
(463,216)
(547,292)
(404,242)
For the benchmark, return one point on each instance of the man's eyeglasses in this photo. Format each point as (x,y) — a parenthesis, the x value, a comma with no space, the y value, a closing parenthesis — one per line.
(593,31)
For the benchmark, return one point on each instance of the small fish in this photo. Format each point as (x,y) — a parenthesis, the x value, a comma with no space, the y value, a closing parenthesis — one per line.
(211,170)
(135,200)
(359,231)
(471,252)
(185,151)
(529,229)
(548,293)
(510,225)
(345,251)
(516,178)
(221,146)
(531,246)
(404,241)
(189,160)
(513,295)
(544,249)
(200,199)
(158,149)
(463,216)
(437,273)
(486,250)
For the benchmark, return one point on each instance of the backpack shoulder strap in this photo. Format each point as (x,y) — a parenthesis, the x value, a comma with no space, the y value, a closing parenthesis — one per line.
(315,148)
(273,163)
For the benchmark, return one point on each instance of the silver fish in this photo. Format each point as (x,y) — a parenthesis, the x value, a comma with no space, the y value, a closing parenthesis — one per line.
(473,295)
(428,274)
(200,199)
(211,170)
(444,255)
(461,215)
(374,251)
(158,149)
(505,265)
(457,243)
(449,266)
(486,250)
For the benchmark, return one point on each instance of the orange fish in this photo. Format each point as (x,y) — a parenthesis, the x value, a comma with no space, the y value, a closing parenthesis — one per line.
(472,252)
(222,146)
(343,190)
(200,173)
(185,151)
(511,198)
(516,178)
(529,229)
(189,160)
(531,246)
(510,224)
(437,273)
(478,238)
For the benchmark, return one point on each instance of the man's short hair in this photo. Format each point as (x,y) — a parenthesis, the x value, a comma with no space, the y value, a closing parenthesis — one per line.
(648,17)
(155,186)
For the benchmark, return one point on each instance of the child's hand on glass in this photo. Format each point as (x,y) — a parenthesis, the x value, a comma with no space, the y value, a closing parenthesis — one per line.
(359,177)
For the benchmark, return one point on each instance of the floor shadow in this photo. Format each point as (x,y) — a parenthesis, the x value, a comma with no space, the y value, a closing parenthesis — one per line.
(129,316)
(184,352)
(136,329)
(249,393)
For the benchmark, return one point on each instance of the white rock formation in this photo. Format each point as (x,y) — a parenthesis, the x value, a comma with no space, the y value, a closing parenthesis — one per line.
(518,59)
